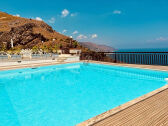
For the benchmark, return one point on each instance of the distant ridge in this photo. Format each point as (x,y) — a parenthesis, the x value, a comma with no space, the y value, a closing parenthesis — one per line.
(144,50)
(95,47)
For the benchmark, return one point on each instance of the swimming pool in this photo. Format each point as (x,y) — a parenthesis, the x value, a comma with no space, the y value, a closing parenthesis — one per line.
(67,94)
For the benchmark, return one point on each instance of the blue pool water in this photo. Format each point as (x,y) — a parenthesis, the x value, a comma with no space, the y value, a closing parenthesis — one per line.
(65,95)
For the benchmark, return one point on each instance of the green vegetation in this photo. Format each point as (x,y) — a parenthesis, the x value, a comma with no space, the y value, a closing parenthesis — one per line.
(3,47)
(35,49)
(75,44)
(55,48)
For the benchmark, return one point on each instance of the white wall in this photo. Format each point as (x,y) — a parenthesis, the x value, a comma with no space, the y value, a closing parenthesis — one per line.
(73,59)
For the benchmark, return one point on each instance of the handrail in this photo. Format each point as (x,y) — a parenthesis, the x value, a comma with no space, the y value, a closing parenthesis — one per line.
(148,58)
(132,52)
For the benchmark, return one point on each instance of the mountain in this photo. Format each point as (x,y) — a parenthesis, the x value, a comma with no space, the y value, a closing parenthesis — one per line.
(96,47)
(29,33)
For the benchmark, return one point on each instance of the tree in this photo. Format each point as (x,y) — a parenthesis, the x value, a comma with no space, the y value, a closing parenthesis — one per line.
(75,44)
(54,48)
(60,46)
(3,47)
(35,49)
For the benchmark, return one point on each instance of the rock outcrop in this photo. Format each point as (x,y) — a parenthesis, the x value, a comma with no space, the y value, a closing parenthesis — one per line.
(27,33)
(22,35)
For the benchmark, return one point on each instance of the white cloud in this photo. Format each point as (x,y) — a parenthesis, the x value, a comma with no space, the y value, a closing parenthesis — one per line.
(159,39)
(162,39)
(64,13)
(94,36)
(81,36)
(64,31)
(73,14)
(75,32)
(17,15)
(38,19)
(117,12)
(52,20)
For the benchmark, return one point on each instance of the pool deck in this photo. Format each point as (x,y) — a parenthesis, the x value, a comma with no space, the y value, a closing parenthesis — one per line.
(29,64)
(148,110)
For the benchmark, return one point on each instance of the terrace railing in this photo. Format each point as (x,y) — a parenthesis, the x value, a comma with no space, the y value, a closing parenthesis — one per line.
(148,58)
(7,58)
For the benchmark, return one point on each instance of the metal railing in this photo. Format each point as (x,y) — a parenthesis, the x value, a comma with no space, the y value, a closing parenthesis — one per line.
(6,58)
(148,58)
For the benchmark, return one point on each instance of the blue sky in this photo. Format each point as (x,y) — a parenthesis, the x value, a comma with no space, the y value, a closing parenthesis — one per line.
(118,23)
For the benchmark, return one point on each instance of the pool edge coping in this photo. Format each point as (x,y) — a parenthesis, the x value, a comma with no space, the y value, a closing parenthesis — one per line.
(139,66)
(22,66)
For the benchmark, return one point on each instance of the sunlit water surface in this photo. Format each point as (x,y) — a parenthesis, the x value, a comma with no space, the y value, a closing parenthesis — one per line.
(65,95)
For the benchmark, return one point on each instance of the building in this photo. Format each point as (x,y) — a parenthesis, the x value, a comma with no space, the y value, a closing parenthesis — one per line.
(75,51)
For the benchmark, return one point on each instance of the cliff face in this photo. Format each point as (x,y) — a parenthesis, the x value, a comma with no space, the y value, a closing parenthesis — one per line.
(22,35)
(27,33)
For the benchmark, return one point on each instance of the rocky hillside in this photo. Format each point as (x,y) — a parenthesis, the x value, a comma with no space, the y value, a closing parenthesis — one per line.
(96,47)
(29,33)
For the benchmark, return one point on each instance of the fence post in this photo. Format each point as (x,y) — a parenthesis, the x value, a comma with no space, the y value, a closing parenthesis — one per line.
(115,60)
